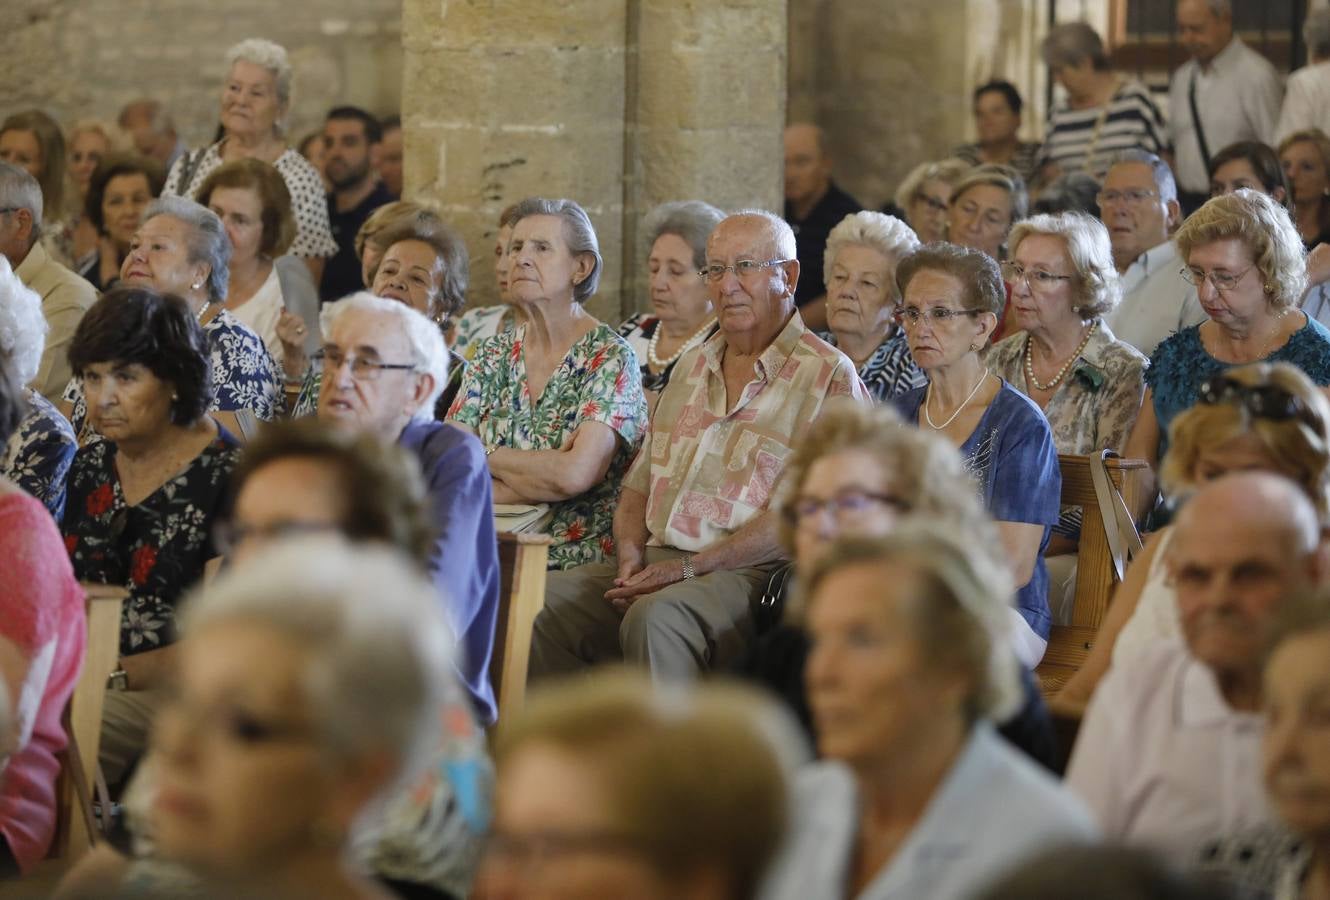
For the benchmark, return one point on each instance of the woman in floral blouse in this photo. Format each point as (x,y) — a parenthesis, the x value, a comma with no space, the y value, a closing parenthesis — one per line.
(1063,355)
(182,249)
(557,402)
(141,503)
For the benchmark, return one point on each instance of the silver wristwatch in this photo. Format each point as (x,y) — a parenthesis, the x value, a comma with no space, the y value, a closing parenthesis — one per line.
(688,568)
(118,680)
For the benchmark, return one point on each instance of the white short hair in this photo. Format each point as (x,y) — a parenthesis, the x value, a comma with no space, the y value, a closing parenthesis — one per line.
(429,352)
(270,56)
(782,235)
(381,650)
(22,326)
(887,235)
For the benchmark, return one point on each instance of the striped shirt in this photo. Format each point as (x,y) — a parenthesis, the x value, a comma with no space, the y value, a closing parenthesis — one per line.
(1076,140)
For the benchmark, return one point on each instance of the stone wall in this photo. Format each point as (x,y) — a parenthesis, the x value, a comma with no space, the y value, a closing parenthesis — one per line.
(890,80)
(86,58)
(618,104)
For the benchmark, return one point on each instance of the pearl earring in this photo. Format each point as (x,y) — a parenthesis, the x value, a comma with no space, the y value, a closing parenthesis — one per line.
(196,285)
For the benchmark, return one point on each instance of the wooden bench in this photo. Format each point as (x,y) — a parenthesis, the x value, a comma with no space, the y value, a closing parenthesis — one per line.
(523,559)
(1068,645)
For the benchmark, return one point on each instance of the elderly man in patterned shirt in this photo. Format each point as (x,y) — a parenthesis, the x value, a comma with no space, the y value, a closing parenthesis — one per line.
(694,535)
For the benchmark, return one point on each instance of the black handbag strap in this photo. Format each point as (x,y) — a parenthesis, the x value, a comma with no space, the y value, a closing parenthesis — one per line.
(1196,118)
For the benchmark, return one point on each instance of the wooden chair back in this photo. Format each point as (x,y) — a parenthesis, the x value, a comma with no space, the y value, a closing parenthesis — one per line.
(83,722)
(523,559)
(1068,645)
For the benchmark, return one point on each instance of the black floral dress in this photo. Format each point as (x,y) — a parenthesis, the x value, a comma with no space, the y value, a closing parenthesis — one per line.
(157,548)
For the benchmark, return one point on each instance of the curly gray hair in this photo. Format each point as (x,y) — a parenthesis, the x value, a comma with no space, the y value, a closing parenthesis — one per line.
(207,242)
(887,235)
(23,328)
(1096,288)
(270,56)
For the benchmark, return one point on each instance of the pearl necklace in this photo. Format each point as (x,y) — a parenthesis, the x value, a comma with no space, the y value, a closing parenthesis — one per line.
(1062,372)
(659,363)
(203,311)
(928,399)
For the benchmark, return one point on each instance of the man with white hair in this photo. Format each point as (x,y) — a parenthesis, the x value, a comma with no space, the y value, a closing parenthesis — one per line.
(694,533)
(1226,92)
(38,455)
(1168,757)
(65,297)
(384,366)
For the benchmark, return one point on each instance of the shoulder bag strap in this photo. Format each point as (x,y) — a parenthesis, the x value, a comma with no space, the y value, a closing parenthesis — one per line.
(1123,540)
(1196,118)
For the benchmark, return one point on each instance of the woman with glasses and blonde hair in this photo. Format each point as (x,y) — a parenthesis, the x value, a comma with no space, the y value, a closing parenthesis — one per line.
(1305,156)
(925,194)
(952,297)
(1266,416)
(1243,254)
(1063,355)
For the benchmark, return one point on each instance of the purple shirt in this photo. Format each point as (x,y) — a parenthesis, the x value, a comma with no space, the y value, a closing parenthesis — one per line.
(465,561)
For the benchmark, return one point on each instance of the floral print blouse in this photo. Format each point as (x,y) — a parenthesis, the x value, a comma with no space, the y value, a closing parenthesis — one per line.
(156,548)
(244,374)
(38,455)
(598,381)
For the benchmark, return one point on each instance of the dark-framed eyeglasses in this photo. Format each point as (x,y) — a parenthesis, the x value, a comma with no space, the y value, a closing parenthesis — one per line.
(743,268)
(1265,401)
(332,358)
(852,502)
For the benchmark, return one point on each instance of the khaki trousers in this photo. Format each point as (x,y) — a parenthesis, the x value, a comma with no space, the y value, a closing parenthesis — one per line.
(677,632)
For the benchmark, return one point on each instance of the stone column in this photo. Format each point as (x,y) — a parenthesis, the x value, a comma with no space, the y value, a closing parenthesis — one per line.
(618,104)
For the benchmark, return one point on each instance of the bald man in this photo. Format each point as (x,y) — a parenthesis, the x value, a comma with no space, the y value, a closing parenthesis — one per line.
(813,206)
(1168,757)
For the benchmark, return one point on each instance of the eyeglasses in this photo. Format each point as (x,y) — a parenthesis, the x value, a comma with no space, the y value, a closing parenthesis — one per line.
(227,536)
(1131,198)
(6,210)
(909,316)
(1221,281)
(851,501)
(743,268)
(1035,279)
(1265,401)
(361,368)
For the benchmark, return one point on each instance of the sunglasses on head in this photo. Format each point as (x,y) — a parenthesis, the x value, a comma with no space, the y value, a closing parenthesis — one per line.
(1266,401)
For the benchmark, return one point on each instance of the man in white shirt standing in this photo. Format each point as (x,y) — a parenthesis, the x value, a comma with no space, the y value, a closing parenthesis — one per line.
(1139,206)
(1226,92)
(1168,756)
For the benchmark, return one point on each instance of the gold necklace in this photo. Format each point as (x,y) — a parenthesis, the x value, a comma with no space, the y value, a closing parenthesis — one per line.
(1062,372)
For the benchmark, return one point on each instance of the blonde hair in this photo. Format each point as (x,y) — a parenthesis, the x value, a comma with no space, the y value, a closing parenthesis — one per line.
(997,176)
(1085,240)
(1299,447)
(960,607)
(887,235)
(698,775)
(1266,229)
(392,215)
(950,171)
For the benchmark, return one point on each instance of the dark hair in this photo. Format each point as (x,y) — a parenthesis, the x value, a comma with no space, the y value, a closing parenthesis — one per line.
(112,166)
(13,404)
(1101,873)
(1264,161)
(450,254)
(158,331)
(1072,192)
(980,278)
(279,223)
(381,491)
(388,123)
(1006,89)
(373,130)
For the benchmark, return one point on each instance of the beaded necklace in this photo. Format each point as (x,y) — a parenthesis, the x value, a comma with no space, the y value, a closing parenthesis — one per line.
(1062,372)
(694,339)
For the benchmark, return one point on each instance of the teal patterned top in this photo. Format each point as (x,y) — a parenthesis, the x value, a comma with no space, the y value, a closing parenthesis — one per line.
(598,381)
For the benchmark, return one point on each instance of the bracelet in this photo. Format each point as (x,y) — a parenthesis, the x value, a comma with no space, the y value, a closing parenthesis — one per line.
(688,568)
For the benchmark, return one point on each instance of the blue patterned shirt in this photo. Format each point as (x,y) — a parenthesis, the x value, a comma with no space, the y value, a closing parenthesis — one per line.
(38,455)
